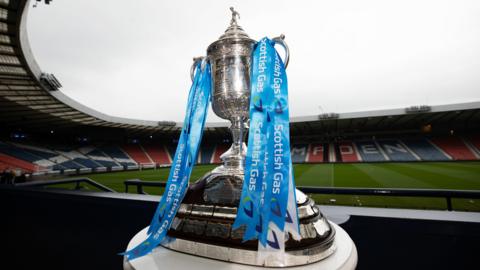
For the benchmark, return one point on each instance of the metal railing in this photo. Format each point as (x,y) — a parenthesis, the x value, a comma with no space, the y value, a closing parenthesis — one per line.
(140,184)
(447,194)
(76,181)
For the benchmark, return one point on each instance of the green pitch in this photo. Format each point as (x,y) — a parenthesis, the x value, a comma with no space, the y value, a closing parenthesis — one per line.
(431,175)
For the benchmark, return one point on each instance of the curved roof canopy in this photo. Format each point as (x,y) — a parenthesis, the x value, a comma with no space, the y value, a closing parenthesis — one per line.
(31,98)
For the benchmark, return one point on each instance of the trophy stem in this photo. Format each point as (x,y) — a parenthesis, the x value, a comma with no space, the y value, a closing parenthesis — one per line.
(234,158)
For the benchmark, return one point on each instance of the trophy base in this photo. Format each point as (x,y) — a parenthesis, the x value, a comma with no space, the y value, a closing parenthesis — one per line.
(345,257)
(203,226)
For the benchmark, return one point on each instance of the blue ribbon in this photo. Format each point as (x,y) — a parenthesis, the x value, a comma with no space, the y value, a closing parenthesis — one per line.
(279,145)
(184,160)
(249,214)
(274,206)
(267,179)
(278,176)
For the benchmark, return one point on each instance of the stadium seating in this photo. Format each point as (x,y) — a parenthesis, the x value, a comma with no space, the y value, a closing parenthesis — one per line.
(396,151)
(206,154)
(118,155)
(369,151)
(17,153)
(38,151)
(14,163)
(299,153)
(157,153)
(136,152)
(348,153)
(59,160)
(98,156)
(219,150)
(70,164)
(455,148)
(35,158)
(317,153)
(425,150)
(78,158)
(475,142)
(21,154)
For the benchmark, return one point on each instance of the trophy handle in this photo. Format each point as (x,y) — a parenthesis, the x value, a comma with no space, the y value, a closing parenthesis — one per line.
(194,65)
(281,40)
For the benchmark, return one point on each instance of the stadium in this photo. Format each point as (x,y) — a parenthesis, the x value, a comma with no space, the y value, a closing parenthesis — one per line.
(407,179)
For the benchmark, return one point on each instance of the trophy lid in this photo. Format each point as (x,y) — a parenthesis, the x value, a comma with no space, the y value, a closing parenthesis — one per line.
(234,30)
(233,42)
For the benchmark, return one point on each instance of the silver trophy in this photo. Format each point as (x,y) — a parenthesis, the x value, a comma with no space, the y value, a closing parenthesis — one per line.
(203,225)
(230,58)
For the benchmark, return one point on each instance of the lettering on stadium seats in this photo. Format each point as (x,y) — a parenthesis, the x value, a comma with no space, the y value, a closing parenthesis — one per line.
(394,148)
(369,149)
(346,149)
(317,150)
(299,151)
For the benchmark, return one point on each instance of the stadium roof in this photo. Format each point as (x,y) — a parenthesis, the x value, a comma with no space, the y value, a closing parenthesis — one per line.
(30,99)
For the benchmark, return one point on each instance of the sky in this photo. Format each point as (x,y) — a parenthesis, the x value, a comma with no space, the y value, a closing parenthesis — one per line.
(132,58)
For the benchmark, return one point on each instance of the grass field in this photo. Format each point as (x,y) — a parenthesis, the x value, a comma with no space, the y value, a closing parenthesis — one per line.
(428,175)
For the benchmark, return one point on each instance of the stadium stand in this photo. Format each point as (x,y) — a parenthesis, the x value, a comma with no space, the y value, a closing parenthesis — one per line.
(70,165)
(35,158)
(206,154)
(14,163)
(370,151)
(454,147)
(21,154)
(98,156)
(30,157)
(171,148)
(157,153)
(316,153)
(60,161)
(348,152)
(32,103)
(396,150)
(219,150)
(136,152)
(425,150)
(118,155)
(79,158)
(299,153)
(475,142)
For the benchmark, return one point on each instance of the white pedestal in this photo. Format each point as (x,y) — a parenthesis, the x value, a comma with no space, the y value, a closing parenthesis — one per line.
(344,258)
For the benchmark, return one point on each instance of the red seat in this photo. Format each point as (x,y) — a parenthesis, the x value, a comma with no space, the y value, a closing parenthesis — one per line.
(158,154)
(137,153)
(454,147)
(219,150)
(315,153)
(475,140)
(348,152)
(14,163)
